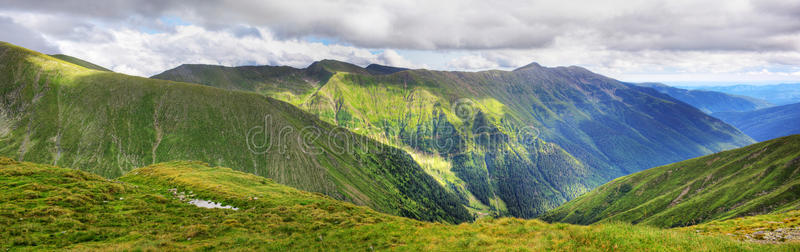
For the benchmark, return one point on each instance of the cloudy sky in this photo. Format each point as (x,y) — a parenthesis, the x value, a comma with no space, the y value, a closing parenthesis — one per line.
(672,41)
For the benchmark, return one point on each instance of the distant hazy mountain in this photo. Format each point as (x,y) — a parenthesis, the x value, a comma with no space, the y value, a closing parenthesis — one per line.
(468,129)
(765,124)
(757,179)
(710,101)
(780,94)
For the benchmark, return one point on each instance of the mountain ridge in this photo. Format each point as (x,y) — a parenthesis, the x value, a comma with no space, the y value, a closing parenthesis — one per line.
(79,62)
(778,94)
(710,101)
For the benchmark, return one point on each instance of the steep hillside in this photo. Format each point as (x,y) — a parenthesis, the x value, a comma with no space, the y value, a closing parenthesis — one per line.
(710,101)
(508,142)
(151,208)
(381,69)
(106,123)
(779,94)
(79,62)
(766,124)
(757,179)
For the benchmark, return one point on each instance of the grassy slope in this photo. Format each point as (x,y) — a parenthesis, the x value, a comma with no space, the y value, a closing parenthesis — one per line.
(765,124)
(79,62)
(747,228)
(594,128)
(45,208)
(710,101)
(757,179)
(107,123)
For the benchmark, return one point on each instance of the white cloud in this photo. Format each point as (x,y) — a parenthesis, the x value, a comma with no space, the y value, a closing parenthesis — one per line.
(16,33)
(661,40)
(392,58)
(471,63)
(138,53)
(474,24)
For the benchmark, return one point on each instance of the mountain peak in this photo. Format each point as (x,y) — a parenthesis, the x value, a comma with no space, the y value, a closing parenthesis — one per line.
(532,65)
(332,66)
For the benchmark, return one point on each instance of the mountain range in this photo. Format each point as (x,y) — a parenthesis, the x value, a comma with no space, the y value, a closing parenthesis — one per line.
(778,94)
(497,142)
(341,157)
(474,131)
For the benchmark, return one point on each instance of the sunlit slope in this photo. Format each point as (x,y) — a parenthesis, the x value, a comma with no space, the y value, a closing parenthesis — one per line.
(757,179)
(106,123)
(79,62)
(475,128)
(47,208)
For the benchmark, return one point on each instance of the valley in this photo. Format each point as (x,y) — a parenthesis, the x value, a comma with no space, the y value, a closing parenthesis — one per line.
(520,142)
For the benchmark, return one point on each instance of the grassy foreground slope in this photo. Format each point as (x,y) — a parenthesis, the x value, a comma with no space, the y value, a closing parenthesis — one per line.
(472,130)
(58,113)
(757,179)
(46,208)
(766,124)
(769,228)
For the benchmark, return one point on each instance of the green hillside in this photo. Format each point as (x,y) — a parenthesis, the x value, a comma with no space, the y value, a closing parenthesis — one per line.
(508,142)
(58,113)
(79,62)
(710,101)
(757,179)
(766,124)
(51,208)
